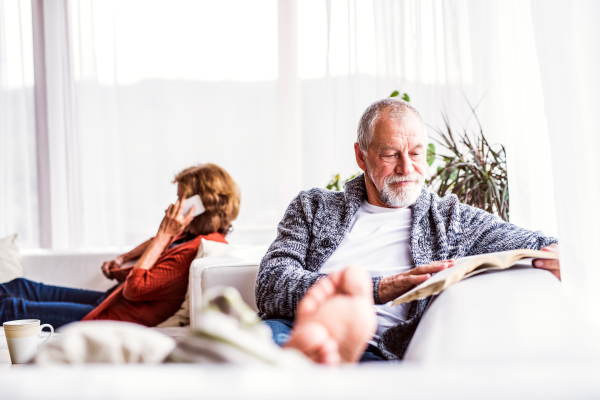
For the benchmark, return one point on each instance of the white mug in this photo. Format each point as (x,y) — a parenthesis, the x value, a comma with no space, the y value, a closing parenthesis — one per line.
(22,339)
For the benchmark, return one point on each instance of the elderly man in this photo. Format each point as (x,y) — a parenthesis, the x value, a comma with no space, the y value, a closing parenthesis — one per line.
(387,222)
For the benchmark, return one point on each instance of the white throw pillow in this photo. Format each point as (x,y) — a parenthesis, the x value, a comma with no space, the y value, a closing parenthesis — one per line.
(10,258)
(208,248)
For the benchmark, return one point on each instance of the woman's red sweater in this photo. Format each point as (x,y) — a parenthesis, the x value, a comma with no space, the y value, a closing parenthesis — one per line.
(149,297)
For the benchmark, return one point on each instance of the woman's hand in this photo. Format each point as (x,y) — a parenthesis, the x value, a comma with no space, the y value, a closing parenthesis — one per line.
(112,264)
(174,222)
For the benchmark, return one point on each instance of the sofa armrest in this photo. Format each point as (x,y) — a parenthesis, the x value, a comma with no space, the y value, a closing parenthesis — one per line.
(221,272)
(67,268)
(500,317)
(237,269)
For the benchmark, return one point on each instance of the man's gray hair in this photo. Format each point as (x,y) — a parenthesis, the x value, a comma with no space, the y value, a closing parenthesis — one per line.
(397,109)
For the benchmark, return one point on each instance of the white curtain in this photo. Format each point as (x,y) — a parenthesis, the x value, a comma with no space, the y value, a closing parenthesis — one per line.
(270,90)
(18,174)
(162,85)
(567,36)
(442,54)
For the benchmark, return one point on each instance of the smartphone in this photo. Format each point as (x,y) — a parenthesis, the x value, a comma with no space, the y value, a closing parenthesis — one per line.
(193,201)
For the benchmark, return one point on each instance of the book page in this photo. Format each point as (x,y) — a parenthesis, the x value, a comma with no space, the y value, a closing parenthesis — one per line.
(469,266)
(447,277)
(480,269)
(521,263)
(511,257)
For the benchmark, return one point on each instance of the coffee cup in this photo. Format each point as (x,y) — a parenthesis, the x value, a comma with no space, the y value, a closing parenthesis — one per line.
(22,339)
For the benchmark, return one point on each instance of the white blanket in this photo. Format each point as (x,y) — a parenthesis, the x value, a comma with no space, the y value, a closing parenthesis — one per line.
(106,342)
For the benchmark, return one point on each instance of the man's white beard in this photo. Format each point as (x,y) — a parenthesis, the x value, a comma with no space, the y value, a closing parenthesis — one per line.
(401,196)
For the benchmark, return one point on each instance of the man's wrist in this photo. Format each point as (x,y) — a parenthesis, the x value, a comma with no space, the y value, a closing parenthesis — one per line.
(384,289)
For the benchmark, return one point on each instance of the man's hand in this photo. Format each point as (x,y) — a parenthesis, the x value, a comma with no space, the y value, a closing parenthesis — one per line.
(550,265)
(112,264)
(174,222)
(391,287)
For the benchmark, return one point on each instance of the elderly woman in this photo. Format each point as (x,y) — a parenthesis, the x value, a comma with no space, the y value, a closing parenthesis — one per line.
(153,289)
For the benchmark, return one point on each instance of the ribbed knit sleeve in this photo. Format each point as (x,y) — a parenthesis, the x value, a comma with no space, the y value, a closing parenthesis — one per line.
(120,274)
(158,282)
(486,233)
(283,278)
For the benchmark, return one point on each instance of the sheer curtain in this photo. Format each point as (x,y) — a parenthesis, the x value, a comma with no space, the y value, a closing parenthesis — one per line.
(443,54)
(569,64)
(18,174)
(272,91)
(159,86)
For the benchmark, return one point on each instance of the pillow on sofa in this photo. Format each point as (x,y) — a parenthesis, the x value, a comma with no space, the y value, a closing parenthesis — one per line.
(208,248)
(10,258)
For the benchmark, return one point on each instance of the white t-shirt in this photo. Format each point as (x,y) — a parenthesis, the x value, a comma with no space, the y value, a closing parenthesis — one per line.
(379,241)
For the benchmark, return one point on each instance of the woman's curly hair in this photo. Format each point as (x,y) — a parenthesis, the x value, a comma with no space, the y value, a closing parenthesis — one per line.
(219,194)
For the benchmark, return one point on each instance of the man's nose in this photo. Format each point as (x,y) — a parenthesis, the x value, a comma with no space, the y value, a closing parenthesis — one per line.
(404,166)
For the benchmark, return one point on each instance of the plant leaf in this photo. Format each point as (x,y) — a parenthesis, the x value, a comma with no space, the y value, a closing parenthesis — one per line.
(406,98)
(471,168)
(430,153)
(394,93)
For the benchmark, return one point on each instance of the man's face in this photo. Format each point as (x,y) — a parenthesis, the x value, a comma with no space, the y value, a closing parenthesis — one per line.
(395,163)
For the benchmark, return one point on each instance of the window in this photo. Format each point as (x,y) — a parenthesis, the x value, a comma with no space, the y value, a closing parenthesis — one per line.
(18,167)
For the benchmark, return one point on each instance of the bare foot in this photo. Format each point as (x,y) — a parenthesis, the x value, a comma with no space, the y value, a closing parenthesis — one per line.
(336,318)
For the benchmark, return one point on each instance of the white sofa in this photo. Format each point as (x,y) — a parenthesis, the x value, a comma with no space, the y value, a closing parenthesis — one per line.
(237,268)
(455,328)
(493,336)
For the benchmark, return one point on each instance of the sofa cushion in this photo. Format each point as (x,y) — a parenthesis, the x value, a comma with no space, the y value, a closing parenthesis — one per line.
(10,259)
(69,268)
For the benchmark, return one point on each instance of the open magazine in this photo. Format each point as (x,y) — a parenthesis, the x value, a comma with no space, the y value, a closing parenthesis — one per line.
(469,266)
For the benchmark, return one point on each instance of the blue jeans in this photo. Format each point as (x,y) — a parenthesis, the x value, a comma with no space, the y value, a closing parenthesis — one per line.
(54,305)
(282,328)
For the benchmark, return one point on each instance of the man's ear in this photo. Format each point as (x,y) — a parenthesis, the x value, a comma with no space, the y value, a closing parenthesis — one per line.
(360,157)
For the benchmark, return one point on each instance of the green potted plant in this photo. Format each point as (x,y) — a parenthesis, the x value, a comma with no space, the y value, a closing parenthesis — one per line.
(471,168)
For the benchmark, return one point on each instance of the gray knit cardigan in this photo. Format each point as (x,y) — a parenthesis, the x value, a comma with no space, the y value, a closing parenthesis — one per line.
(315,224)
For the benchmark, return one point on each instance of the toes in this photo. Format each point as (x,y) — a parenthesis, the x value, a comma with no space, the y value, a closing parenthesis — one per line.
(321,291)
(329,353)
(315,297)
(355,281)
(336,278)
(306,309)
(315,342)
